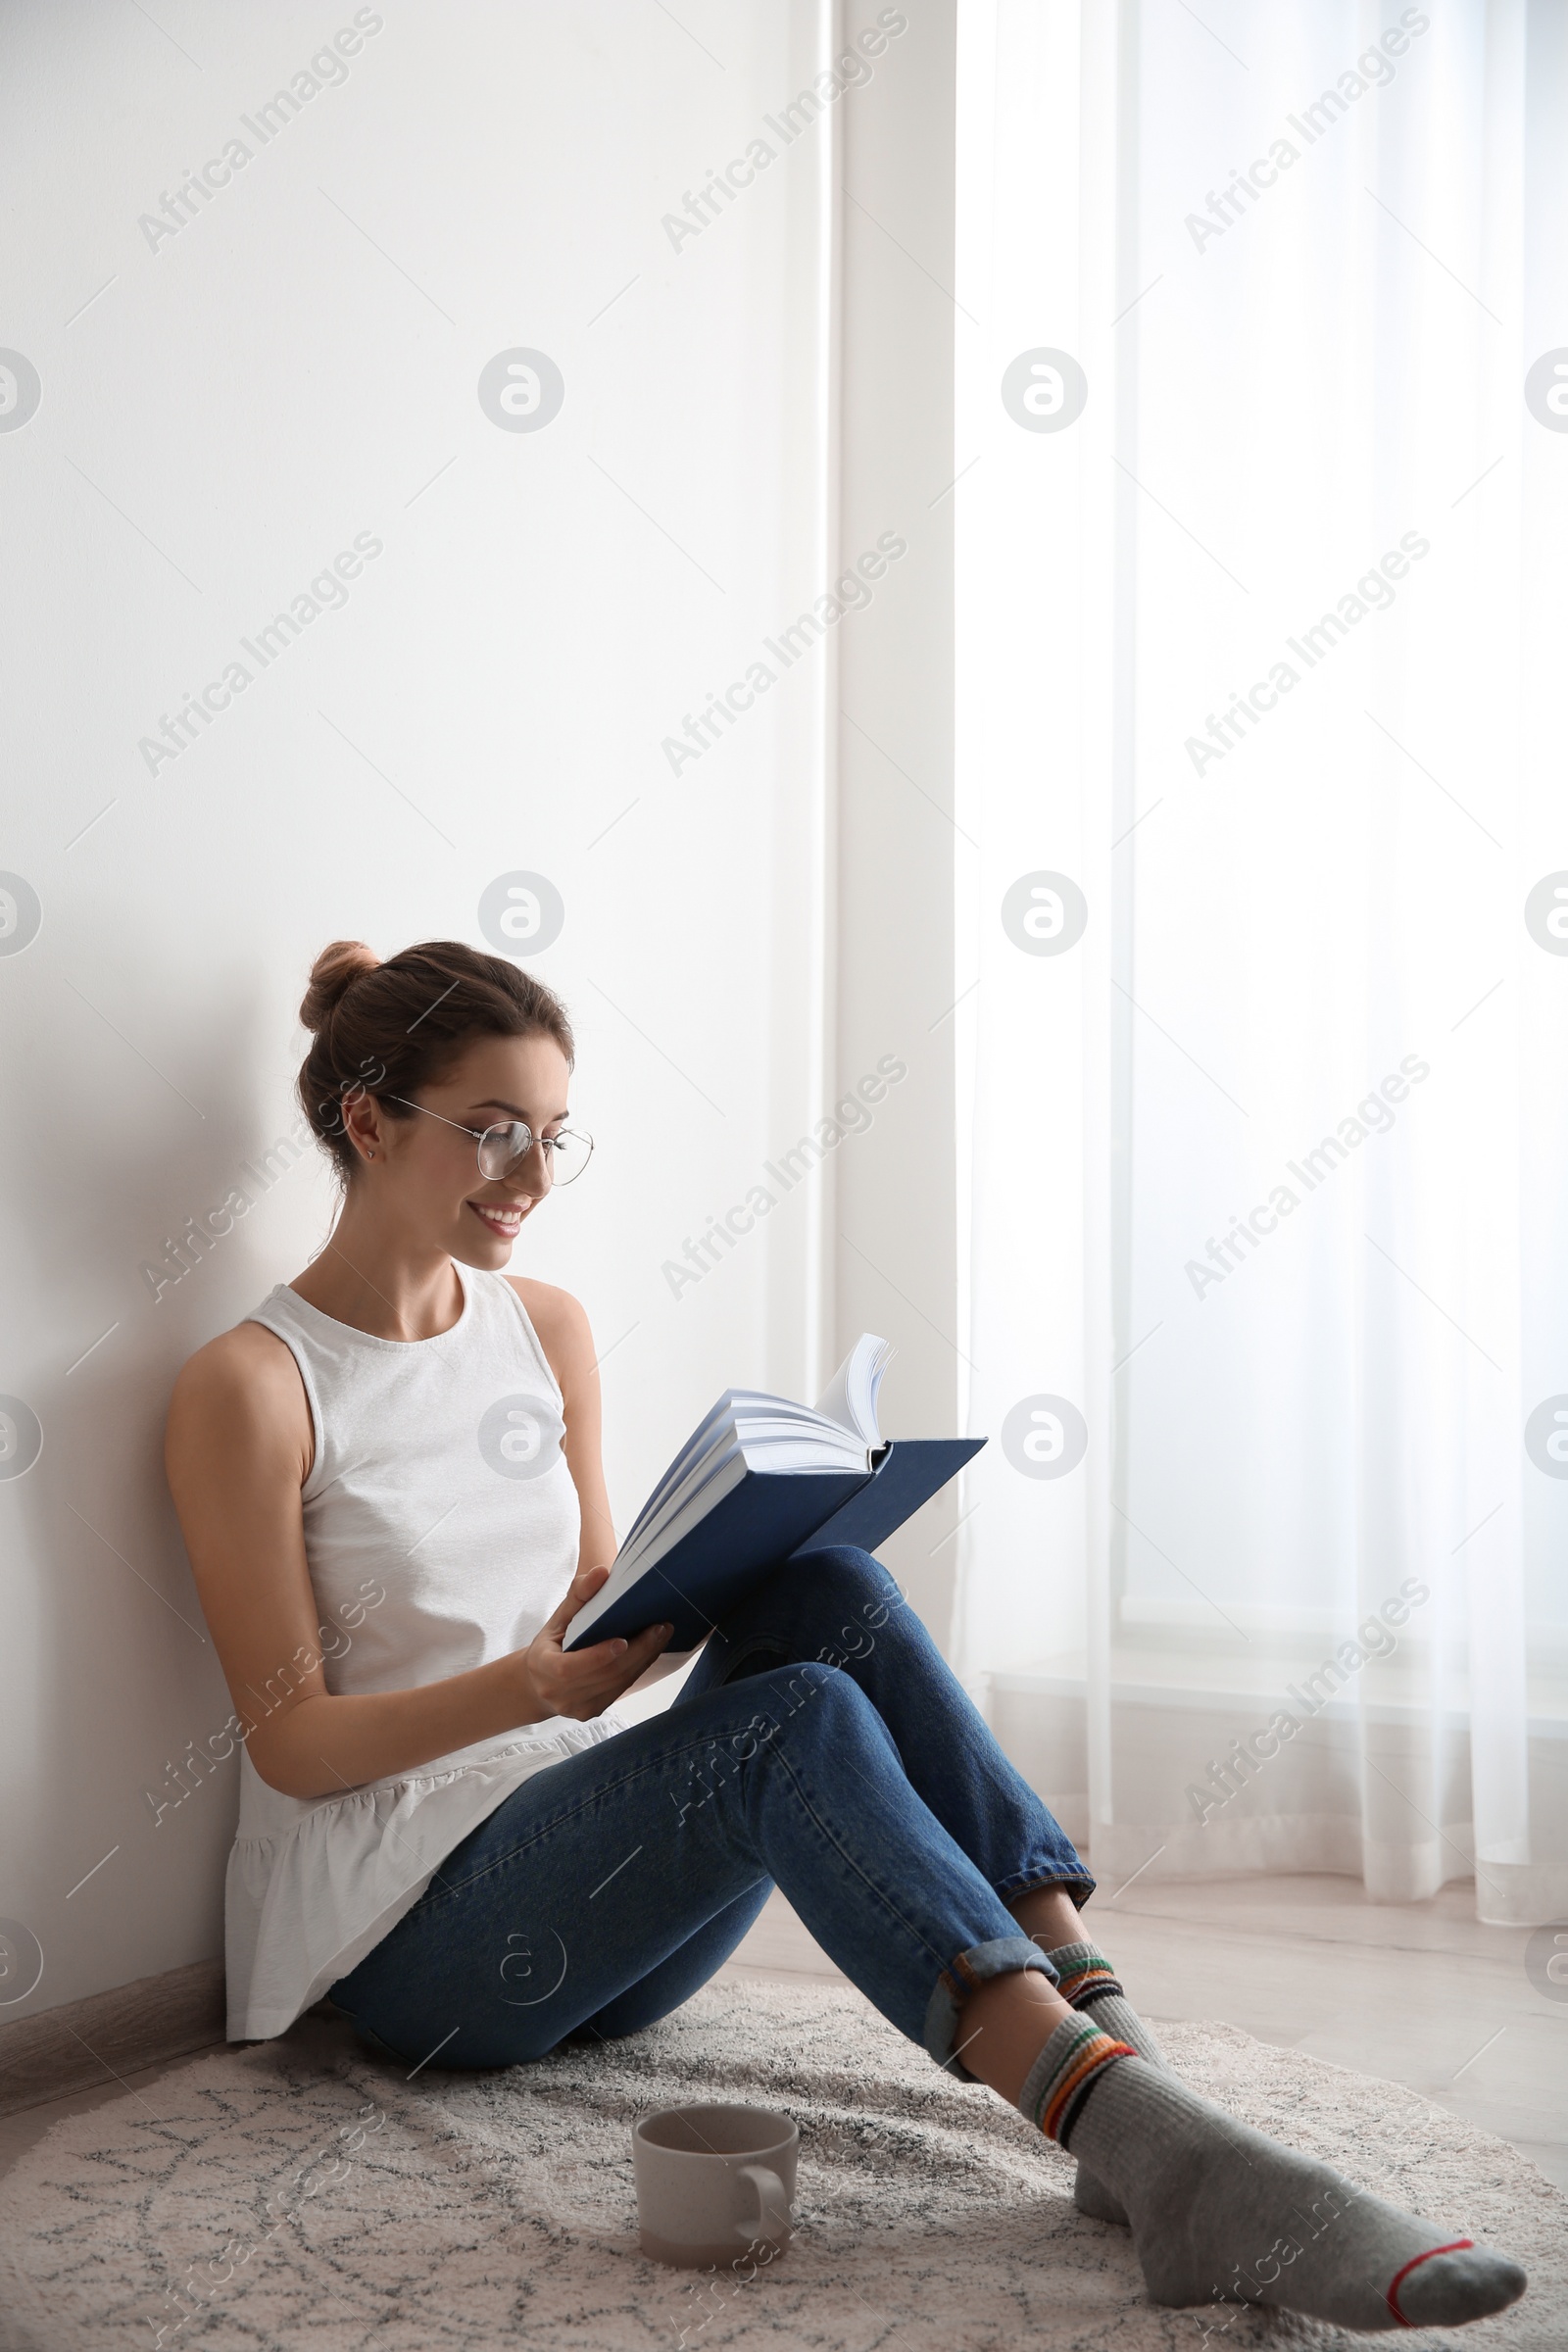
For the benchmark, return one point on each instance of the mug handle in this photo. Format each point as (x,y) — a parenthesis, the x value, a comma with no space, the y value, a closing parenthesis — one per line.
(772,2205)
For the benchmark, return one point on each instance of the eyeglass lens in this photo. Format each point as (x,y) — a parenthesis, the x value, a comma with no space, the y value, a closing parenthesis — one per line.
(503,1148)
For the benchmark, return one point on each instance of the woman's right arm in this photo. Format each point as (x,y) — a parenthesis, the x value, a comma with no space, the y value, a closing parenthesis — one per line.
(238,1449)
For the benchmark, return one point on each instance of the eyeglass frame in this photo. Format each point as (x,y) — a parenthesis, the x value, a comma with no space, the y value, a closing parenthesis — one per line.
(501,1127)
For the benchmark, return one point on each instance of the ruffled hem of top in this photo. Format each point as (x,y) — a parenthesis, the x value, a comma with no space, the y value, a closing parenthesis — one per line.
(567,1736)
(308,1896)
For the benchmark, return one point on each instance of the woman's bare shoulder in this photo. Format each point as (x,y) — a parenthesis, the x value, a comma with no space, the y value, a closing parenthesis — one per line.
(245,1379)
(562,1322)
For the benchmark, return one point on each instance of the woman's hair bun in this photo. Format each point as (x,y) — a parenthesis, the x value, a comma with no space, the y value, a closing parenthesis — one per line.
(332,974)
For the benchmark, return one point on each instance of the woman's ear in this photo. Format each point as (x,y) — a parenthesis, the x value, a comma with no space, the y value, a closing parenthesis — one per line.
(363,1124)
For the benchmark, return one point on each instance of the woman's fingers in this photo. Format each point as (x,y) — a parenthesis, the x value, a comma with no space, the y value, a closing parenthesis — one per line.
(617,1655)
(584,1585)
(614,1664)
(640,1654)
(599,1656)
(583,1681)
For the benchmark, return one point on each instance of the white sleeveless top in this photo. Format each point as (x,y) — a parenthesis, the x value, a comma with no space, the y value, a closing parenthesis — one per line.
(441,1529)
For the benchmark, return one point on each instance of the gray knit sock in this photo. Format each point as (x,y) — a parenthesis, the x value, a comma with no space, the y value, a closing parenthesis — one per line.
(1088,1983)
(1221,2213)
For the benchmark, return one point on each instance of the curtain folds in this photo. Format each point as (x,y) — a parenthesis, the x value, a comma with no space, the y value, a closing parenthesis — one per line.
(1259,585)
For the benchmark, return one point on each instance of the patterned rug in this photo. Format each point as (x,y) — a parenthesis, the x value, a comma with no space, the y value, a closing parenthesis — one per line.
(299,2194)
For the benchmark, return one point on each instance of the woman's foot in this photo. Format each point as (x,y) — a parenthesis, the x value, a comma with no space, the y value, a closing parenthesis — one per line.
(1223,2213)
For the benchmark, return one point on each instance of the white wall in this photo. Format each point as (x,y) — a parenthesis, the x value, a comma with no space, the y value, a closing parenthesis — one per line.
(221,414)
(896,843)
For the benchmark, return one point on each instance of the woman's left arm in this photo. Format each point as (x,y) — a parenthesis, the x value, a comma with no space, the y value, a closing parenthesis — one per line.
(569,1345)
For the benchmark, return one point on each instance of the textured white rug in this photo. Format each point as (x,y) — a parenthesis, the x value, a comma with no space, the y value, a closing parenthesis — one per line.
(298,2194)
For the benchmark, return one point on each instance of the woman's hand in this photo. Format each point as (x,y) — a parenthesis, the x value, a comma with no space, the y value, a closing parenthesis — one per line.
(584,1682)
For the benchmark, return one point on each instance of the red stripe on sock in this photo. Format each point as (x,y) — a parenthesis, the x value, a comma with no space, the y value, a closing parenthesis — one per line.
(1460,2246)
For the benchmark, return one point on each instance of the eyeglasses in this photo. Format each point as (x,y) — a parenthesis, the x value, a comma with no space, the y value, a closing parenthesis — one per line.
(504,1147)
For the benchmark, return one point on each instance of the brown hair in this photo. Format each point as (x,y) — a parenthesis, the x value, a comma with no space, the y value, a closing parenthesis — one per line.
(388,1029)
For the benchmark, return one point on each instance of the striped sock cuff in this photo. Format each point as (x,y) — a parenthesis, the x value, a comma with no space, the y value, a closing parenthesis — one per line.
(1092,1985)
(1061,2077)
(1084,1975)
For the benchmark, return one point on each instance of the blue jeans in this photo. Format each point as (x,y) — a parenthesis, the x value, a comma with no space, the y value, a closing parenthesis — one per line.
(820,1744)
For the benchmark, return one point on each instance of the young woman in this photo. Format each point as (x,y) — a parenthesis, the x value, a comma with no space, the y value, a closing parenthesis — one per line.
(390,1485)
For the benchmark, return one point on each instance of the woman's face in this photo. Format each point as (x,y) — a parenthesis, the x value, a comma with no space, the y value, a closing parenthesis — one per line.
(427,1173)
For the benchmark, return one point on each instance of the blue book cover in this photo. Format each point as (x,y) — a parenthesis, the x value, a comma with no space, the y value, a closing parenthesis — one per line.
(771,1517)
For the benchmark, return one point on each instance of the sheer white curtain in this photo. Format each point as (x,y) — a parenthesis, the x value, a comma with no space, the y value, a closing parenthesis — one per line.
(1259,657)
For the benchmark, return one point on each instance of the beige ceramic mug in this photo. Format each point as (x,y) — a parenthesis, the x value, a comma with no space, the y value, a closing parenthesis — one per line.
(712,2181)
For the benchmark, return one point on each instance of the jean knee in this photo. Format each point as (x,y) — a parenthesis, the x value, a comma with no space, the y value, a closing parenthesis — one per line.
(813,1700)
(850,1582)
(786,1688)
(846,1568)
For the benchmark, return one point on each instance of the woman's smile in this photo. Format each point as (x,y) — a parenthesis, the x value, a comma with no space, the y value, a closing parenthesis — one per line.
(504,1218)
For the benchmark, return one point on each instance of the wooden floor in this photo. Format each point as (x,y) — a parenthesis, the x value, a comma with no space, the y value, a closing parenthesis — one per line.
(1421,1994)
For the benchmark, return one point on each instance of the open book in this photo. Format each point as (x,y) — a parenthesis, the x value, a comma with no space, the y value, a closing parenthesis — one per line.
(757,1482)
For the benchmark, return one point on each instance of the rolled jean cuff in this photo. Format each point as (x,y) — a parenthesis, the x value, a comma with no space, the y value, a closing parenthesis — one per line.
(1076,1885)
(1004,1957)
